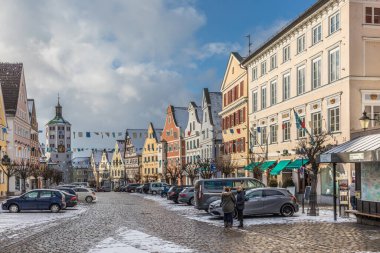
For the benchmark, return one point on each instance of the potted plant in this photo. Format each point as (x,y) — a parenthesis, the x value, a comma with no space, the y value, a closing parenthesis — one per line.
(289,184)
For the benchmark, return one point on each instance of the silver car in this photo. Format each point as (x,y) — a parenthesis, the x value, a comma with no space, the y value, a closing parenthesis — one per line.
(262,201)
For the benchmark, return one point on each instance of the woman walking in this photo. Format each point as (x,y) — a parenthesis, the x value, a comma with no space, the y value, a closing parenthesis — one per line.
(228,206)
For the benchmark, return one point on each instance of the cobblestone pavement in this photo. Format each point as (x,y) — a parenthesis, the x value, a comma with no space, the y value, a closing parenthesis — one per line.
(114,211)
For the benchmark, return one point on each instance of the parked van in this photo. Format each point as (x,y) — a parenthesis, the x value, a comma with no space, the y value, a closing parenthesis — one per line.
(209,190)
(156,187)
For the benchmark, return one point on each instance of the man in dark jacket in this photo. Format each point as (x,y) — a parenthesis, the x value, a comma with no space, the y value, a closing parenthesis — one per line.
(240,202)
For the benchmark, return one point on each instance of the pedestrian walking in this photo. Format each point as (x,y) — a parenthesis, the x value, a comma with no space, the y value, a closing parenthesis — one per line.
(228,206)
(240,204)
(352,195)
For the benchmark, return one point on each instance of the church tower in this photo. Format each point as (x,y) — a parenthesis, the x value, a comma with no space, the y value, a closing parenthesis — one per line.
(58,142)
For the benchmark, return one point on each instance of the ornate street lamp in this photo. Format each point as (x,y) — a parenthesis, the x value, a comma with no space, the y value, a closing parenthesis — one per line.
(364,121)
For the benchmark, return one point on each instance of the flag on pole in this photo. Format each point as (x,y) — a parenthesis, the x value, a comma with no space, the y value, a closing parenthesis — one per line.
(113,134)
(301,125)
(108,134)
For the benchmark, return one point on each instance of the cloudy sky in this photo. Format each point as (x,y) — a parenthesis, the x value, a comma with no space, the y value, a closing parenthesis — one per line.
(117,64)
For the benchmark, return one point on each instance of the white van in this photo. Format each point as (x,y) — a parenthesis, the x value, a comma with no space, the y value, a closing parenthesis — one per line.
(156,187)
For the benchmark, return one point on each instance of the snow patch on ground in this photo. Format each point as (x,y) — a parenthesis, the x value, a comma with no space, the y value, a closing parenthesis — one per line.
(325,215)
(15,221)
(133,241)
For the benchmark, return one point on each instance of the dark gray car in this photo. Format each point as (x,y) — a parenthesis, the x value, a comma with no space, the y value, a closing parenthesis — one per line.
(187,196)
(264,201)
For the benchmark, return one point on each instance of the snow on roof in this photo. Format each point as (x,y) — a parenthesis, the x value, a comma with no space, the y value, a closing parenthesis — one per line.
(80,162)
(137,137)
(216,107)
(97,156)
(199,111)
(121,145)
(181,117)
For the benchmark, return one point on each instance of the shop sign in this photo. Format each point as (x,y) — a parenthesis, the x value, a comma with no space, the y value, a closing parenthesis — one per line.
(325,158)
(356,157)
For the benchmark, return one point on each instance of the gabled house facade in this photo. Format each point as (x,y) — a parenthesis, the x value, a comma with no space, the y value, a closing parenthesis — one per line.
(134,144)
(100,164)
(150,170)
(34,142)
(3,145)
(12,81)
(193,134)
(211,129)
(117,165)
(173,137)
(234,114)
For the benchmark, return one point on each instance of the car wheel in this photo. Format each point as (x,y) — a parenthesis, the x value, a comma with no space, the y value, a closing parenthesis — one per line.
(191,202)
(54,208)
(176,201)
(154,192)
(88,199)
(287,211)
(14,208)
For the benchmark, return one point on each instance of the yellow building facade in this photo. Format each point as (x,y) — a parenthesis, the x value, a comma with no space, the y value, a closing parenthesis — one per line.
(234,114)
(3,145)
(150,170)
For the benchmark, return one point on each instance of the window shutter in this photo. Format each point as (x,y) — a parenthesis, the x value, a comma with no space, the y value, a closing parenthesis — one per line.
(242,89)
(243,147)
(237,91)
(225,99)
(244,115)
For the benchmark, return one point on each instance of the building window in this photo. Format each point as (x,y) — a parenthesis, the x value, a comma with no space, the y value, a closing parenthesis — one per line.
(263,97)
(301,44)
(334,65)
(273,92)
(254,73)
(286,87)
(254,101)
(273,62)
(286,131)
(317,34)
(286,54)
(263,68)
(316,123)
(254,138)
(373,111)
(264,136)
(334,120)
(372,15)
(301,132)
(273,134)
(334,22)
(316,72)
(301,80)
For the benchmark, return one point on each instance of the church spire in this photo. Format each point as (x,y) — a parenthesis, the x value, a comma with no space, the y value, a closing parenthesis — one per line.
(58,109)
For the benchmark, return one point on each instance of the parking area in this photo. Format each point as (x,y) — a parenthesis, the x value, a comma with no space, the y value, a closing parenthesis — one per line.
(125,222)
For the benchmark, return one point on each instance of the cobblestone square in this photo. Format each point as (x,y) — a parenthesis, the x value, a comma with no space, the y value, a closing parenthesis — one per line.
(121,221)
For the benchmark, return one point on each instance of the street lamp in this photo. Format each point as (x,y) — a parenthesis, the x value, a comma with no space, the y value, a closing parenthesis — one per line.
(364,121)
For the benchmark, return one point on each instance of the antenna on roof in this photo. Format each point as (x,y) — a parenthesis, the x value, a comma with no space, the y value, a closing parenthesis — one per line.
(249,44)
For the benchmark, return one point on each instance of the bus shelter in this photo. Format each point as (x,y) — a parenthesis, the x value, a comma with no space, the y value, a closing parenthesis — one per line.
(364,152)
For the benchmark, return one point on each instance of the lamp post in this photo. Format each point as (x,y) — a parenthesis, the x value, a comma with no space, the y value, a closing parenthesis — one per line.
(364,121)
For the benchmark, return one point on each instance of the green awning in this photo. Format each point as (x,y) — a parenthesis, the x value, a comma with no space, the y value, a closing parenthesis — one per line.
(296,164)
(266,165)
(251,166)
(279,167)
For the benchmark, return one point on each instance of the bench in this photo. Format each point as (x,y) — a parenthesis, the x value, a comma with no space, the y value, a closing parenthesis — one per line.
(356,212)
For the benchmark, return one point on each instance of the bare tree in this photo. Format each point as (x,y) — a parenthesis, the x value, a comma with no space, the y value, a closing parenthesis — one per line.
(191,171)
(205,170)
(312,147)
(23,170)
(8,168)
(226,167)
(174,174)
(36,172)
(57,176)
(46,173)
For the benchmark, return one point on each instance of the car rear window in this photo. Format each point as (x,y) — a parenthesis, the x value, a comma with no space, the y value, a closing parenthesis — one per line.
(217,184)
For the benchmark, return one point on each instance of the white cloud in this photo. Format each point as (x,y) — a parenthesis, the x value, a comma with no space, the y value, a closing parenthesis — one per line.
(115,63)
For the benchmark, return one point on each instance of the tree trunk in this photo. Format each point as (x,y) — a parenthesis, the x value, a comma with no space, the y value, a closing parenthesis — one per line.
(313,192)
(7,184)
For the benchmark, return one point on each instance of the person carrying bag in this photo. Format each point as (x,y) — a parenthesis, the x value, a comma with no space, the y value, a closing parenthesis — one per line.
(228,206)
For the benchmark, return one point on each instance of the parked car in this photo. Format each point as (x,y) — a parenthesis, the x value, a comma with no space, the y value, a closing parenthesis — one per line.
(139,188)
(145,188)
(131,187)
(70,199)
(102,189)
(156,187)
(85,194)
(40,199)
(68,190)
(122,188)
(187,196)
(264,201)
(174,191)
(209,190)
(68,186)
